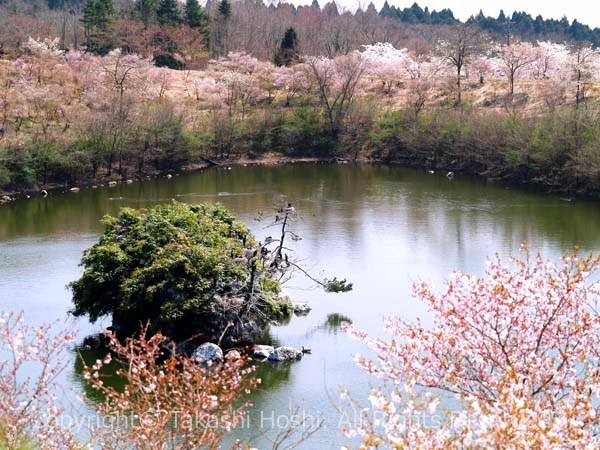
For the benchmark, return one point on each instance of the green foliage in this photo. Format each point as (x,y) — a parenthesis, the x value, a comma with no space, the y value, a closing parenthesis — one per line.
(173,266)
(304,133)
(146,10)
(168,13)
(225,9)
(556,151)
(98,16)
(335,285)
(288,50)
(195,17)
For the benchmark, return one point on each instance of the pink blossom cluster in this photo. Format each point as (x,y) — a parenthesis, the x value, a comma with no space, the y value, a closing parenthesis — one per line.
(516,351)
(33,357)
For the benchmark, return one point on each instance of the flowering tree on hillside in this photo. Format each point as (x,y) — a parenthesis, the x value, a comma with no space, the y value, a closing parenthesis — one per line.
(518,349)
(514,59)
(584,65)
(386,63)
(461,45)
(550,60)
(292,81)
(337,81)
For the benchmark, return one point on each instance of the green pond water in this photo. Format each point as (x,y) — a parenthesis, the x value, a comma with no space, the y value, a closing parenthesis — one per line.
(381,227)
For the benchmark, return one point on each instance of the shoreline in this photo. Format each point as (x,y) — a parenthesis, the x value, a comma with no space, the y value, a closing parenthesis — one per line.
(7,197)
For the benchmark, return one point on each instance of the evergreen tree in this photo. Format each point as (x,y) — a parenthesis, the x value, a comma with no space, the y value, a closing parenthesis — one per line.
(147,11)
(98,15)
(225,9)
(195,17)
(221,30)
(168,13)
(386,11)
(288,51)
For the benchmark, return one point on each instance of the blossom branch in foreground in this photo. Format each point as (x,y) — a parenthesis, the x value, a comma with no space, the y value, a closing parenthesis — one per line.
(169,400)
(518,348)
(32,358)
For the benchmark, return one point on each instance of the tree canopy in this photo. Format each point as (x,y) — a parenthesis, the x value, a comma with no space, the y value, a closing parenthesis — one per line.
(183,269)
(288,50)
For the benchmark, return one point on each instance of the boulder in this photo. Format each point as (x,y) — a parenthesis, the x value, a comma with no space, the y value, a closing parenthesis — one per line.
(112,183)
(285,354)
(169,176)
(129,181)
(301,309)
(207,352)
(74,189)
(262,351)
(233,355)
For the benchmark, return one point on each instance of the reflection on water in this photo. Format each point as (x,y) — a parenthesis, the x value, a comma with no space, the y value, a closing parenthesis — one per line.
(380,227)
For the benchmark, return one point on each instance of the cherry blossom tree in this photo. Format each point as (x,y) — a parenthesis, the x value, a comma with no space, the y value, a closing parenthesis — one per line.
(550,60)
(518,349)
(171,400)
(386,64)
(461,44)
(33,357)
(584,65)
(483,68)
(337,81)
(514,59)
(291,81)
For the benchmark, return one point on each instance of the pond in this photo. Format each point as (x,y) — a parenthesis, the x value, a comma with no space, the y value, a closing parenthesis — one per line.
(381,227)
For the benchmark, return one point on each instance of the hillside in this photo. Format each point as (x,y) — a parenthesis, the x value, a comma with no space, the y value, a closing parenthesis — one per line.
(184,34)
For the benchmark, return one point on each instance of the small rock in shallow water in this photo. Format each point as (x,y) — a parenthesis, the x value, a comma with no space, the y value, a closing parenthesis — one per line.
(207,352)
(262,351)
(75,189)
(285,354)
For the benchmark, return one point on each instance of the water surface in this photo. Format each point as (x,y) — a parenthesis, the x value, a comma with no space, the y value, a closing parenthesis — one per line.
(380,227)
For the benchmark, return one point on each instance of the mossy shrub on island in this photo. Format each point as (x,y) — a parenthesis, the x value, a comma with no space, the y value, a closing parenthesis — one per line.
(181,269)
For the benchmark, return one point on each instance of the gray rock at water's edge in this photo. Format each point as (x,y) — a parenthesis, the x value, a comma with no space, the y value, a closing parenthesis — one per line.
(207,352)
(74,189)
(112,183)
(285,354)
(262,351)
(301,309)
(129,181)
(5,198)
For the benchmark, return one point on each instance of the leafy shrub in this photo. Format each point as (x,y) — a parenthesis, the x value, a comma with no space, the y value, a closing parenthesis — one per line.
(179,267)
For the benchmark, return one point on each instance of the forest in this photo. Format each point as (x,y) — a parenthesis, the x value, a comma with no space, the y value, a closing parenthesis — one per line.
(105,92)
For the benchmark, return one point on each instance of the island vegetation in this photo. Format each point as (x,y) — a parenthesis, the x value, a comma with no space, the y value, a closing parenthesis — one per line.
(182,270)
(190,272)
